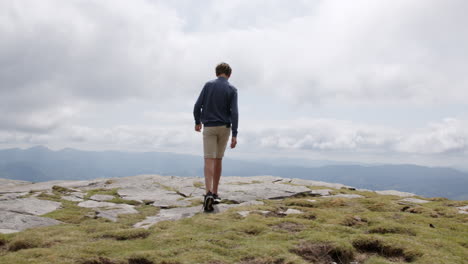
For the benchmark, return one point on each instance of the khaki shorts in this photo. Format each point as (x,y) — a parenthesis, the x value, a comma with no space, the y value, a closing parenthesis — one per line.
(215,140)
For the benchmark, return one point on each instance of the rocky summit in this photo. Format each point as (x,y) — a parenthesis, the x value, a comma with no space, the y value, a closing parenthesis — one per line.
(21,204)
(332,222)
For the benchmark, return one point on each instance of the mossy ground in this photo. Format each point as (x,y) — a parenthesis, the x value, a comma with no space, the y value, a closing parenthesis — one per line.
(374,230)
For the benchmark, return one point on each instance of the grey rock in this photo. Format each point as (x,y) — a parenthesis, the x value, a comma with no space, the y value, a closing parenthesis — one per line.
(166,203)
(249,180)
(292,211)
(11,196)
(396,193)
(11,222)
(30,206)
(149,193)
(113,212)
(243,213)
(253,191)
(188,191)
(320,192)
(185,212)
(11,183)
(312,201)
(253,202)
(412,200)
(102,197)
(318,183)
(78,194)
(8,231)
(463,209)
(219,208)
(108,210)
(95,204)
(169,214)
(246,213)
(41,186)
(72,198)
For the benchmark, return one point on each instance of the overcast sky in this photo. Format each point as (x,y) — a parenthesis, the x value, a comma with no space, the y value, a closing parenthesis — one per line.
(363,80)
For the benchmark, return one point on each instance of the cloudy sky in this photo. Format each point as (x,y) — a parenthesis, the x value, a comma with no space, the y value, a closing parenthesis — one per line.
(363,80)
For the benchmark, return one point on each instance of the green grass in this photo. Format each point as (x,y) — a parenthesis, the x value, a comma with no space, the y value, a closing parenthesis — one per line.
(372,230)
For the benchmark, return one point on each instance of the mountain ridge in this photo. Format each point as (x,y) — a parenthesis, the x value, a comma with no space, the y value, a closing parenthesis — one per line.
(41,164)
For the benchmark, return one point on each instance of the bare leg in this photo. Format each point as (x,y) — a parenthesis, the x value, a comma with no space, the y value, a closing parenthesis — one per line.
(209,172)
(218,167)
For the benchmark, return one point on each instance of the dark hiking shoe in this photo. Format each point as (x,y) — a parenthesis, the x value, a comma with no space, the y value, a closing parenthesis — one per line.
(216,198)
(208,202)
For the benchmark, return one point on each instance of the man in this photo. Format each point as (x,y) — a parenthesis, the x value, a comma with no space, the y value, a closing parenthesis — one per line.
(216,109)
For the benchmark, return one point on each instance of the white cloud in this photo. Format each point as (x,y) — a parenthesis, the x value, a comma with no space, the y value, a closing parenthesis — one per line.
(360,51)
(450,135)
(59,59)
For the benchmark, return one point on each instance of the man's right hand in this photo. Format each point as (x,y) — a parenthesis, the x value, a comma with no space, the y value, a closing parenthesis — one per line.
(233,142)
(198,127)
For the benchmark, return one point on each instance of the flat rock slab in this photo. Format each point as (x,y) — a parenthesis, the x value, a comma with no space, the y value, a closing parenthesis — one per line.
(147,193)
(113,212)
(320,192)
(11,222)
(30,206)
(11,196)
(191,191)
(292,211)
(95,204)
(72,198)
(8,231)
(463,209)
(108,210)
(166,203)
(412,200)
(250,179)
(257,191)
(148,181)
(169,214)
(40,186)
(246,213)
(11,183)
(316,183)
(185,212)
(78,194)
(219,208)
(396,193)
(102,197)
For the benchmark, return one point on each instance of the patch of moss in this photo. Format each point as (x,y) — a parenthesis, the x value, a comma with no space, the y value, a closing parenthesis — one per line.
(112,191)
(392,229)
(387,235)
(119,200)
(323,252)
(393,251)
(70,213)
(61,189)
(199,184)
(124,234)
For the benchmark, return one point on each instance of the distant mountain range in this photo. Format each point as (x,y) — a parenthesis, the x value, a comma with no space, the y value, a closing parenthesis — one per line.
(42,164)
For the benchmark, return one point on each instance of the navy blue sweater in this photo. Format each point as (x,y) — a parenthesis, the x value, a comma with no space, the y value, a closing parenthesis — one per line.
(217,105)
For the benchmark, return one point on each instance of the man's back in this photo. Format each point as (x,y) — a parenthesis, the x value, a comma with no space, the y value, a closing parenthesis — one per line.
(218,105)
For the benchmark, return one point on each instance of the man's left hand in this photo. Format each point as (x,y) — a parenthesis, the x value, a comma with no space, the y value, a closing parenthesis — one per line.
(233,142)
(198,127)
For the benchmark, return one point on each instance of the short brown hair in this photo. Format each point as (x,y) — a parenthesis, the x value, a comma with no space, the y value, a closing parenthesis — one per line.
(223,68)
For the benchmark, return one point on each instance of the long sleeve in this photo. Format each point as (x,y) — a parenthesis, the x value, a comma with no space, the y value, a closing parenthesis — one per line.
(234,114)
(198,107)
